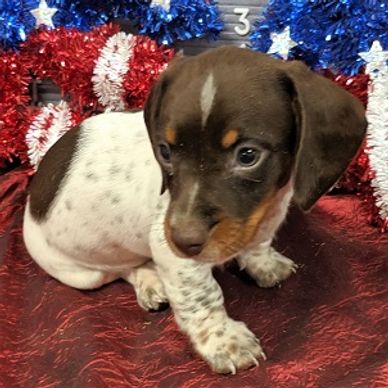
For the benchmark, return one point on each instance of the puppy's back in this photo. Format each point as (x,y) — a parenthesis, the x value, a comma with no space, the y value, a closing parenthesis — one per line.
(93,142)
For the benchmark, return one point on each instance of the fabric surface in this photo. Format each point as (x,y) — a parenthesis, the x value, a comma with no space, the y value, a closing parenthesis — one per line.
(326,326)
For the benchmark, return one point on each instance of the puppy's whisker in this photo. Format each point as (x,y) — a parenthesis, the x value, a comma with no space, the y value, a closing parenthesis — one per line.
(254,180)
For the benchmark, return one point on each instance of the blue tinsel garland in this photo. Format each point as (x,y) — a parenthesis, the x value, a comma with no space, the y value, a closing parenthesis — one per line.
(186,19)
(329,33)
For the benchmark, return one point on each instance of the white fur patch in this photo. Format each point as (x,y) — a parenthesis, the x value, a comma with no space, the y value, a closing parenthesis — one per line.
(192,197)
(190,202)
(208,93)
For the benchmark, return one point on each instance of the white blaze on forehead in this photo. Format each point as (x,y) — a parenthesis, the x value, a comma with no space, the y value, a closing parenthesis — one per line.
(208,93)
(192,197)
(188,207)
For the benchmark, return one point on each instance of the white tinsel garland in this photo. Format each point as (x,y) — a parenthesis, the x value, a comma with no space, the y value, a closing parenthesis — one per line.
(48,126)
(110,69)
(377,116)
(377,137)
(161,3)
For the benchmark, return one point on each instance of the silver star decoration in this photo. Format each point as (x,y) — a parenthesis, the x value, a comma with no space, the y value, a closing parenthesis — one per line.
(375,58)
(161,3)
(43,14)
(281,43)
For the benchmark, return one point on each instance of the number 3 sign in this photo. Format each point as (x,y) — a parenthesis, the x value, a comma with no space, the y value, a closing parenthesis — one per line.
(238,17)
(243,19)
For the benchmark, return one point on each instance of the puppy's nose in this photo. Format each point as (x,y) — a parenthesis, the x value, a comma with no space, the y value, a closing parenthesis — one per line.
(189,241)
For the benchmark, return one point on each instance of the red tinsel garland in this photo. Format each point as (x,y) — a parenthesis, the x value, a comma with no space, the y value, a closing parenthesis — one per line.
(14,97)
(148,60)
(67,57)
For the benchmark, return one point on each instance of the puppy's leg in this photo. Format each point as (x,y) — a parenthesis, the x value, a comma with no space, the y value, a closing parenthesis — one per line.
(265,265)
(60,265)
(148,287)
(198,305)
(262,262)
(81,278)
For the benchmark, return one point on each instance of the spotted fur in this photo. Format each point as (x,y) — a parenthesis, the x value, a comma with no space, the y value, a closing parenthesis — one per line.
(96,213)
(106,222)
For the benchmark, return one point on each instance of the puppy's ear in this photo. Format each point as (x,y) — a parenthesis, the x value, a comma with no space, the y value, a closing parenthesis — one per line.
(153,105)
(331,127)
(151,115)
(164,186)
(154,101)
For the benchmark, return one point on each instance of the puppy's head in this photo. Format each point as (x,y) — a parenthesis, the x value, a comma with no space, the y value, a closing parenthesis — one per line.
(230,128)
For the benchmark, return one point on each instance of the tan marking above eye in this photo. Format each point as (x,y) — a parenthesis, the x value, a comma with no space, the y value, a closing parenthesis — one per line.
(170,135)
(229,138)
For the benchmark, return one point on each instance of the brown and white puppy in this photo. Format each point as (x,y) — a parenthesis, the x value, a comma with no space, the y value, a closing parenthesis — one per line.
(237,136)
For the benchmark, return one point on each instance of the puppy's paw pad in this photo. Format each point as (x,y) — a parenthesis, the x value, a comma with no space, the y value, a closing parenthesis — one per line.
(271,270)
(230,348)
(152,298)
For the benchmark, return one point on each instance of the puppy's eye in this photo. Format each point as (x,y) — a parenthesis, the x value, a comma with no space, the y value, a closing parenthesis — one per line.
(247,156)
(165,152)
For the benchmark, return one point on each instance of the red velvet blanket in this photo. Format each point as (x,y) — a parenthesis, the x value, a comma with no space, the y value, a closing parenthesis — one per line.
(325,327)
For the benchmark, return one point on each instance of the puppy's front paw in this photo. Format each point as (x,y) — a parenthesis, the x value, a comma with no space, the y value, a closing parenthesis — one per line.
(229,347)
(152,297)
(269,268)
(149,289)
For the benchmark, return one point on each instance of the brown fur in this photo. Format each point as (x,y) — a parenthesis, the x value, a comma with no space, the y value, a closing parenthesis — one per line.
(52,170)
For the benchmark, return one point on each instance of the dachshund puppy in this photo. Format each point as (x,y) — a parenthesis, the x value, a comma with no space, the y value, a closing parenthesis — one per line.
(235,137)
